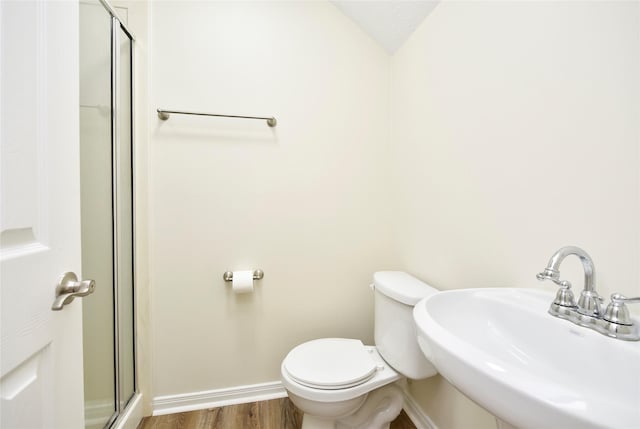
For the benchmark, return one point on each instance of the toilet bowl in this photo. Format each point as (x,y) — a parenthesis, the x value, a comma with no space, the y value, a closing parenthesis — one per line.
(340,383)
(331,378)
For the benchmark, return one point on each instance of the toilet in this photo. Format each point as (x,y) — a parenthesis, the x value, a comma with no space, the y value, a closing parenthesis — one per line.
(340,383)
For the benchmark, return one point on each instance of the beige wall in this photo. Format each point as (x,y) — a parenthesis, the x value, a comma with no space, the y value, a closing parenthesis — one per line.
(512,130)
(515,131)
(307,201)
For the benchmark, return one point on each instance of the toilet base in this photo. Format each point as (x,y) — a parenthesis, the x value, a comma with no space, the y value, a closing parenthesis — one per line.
(379,409)
(313,422)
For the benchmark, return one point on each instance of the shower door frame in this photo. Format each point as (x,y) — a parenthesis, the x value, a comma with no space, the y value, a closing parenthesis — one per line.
(123,406)
(117,24)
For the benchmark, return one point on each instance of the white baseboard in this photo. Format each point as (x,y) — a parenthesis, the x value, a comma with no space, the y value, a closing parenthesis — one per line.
(416,414)
(258,392)
(217,398)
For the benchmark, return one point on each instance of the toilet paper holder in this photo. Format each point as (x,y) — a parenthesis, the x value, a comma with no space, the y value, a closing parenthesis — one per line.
(228,275)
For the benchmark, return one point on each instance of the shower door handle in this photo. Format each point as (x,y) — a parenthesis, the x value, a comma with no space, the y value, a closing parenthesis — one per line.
(69,287)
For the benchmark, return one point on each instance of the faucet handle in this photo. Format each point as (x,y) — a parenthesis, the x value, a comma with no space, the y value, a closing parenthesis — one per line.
(617,312)
(564,296)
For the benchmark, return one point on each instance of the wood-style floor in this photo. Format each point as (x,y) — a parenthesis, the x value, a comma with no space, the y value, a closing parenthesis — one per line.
(274,414)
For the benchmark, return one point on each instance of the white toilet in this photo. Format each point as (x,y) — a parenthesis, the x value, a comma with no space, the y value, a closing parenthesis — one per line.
(340,383)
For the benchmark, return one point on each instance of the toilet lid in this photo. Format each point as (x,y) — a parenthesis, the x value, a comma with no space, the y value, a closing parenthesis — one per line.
(330,363)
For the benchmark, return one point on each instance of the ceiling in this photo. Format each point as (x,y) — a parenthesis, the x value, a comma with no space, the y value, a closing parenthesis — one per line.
(389,22)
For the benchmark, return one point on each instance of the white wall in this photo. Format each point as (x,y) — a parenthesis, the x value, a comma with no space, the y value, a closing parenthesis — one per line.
(307,201)
(516,128)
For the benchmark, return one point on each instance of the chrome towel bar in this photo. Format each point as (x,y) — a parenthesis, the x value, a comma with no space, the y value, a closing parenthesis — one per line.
(164,115)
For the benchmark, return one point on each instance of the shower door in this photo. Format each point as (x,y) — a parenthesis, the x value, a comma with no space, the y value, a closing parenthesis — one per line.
(106,211)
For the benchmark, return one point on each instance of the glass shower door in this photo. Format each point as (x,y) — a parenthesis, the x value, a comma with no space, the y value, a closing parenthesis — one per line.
(106,158)
(123,203)
(96,212)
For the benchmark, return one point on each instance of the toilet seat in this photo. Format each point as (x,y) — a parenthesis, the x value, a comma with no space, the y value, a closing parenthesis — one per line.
(330,363)
(382,375)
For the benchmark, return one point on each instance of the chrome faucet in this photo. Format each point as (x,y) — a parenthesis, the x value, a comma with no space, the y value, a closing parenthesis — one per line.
(590,302)
(615,322)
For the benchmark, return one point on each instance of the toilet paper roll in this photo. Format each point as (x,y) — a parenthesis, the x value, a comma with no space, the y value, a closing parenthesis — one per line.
(242,282)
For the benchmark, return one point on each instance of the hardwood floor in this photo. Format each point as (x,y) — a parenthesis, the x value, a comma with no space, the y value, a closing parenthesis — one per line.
(274,414)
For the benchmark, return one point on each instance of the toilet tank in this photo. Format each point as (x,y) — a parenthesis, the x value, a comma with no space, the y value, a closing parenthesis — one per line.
(395,295)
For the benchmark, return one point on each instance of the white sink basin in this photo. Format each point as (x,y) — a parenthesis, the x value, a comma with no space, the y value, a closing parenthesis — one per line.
(502,349)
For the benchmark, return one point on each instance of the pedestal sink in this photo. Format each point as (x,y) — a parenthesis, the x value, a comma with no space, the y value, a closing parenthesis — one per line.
(503,350)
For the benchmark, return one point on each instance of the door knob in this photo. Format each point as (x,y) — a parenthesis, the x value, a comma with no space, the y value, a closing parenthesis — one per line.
(69,287)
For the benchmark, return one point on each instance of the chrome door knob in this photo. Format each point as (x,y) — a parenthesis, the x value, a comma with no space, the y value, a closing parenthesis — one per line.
(69,287)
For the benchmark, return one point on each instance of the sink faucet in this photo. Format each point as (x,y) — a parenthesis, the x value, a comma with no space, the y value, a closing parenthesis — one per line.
(589,302)
(615,322)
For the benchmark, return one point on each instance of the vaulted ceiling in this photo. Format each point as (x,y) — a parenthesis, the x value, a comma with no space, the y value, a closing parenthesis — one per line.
(389,22)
